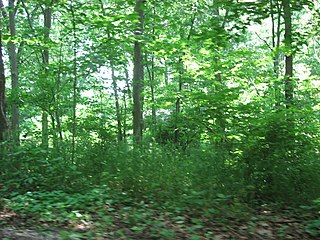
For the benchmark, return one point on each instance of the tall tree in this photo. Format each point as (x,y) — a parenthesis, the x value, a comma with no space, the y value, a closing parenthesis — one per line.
(115,87)
(276,32)
(117,103)
(45,59)
(287,14)
(14,73)
(151,74)
(75,81)
(138,75)
(3,121)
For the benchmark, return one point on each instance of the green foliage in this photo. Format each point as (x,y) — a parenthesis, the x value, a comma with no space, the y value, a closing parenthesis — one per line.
(121,214)
(218,135)
(278,154)
(266,163)
(31,168)
(58,206)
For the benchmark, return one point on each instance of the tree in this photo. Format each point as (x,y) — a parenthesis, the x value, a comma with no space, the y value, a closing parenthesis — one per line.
(138,75)
(115,88)
(276,32)
(289,52)
(45,58)
(3,120)
(75,80)
(14,73)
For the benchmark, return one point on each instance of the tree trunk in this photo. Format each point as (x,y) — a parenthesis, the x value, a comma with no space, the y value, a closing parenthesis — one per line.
(57,100)
(289,57)
(115,89)
(126,95)
(117,104)
(153,98)
(45,129)
(45,56)
(181,70)
(75,85)
(276,31)
(3,120)
(166,73)
(178,106)
(138,76)
(14,74)
(152,78)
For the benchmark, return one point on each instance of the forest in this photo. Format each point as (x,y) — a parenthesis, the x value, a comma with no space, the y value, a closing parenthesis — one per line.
(172,119)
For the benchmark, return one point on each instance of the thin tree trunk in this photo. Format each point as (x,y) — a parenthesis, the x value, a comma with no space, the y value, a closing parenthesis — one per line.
(276,31)
(275,47)
(45,129)
(14,74)
(126,93)
(54,134)
(124,117)
(45,58)
(117,104)
(289,57)
(166,73)
(180,84)
(75,85)
(127,83)
(115,89)
(3,120)
(57,98)
(178,109)
(152,79)
(138,76)
(153,99)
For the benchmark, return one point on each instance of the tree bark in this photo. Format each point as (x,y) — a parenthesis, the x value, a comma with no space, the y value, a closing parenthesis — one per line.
(14,75)
(45,129)
(3,120)
(153,98)
(138,76)
(151,74)
(75,86)
(45,56)
(126,95)
(57,99)
(289,57)
(276,31)
(117,104)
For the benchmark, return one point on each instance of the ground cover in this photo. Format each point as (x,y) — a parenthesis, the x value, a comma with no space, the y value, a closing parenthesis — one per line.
(100,214)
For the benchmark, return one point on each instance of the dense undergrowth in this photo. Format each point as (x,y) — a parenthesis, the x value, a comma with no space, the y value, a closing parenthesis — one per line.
(165,172)
(196,183)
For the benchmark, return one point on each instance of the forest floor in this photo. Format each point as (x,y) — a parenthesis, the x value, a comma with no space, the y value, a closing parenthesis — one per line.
(146,222)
